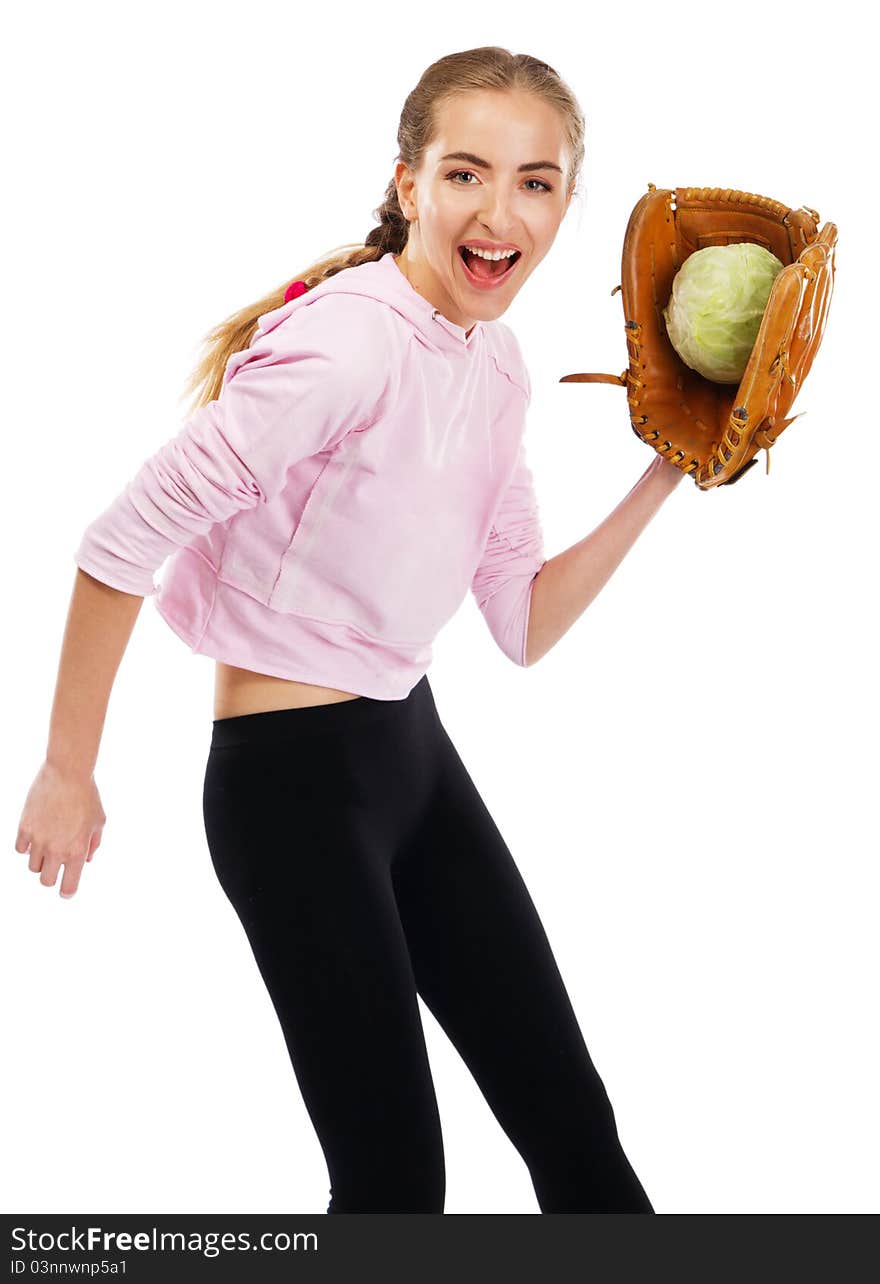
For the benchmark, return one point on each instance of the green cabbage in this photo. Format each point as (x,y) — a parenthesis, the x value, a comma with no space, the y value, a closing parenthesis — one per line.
(716,307)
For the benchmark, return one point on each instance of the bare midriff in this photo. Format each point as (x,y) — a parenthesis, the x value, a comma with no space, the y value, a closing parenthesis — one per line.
(240,691)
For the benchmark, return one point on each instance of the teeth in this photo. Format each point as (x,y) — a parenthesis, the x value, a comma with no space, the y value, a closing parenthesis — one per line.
(494,255)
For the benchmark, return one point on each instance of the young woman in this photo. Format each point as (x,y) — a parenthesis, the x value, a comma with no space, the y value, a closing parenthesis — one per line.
(354,466)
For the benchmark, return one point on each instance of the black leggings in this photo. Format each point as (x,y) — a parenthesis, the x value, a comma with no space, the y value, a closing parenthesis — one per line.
(366,869)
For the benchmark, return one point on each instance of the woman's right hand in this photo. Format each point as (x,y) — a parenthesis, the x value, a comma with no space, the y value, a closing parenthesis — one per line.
(62,824)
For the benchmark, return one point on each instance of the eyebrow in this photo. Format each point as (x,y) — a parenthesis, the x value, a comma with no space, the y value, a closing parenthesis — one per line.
(484,164)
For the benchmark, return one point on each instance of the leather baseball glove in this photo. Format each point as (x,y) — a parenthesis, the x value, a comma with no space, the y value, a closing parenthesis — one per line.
(713,431)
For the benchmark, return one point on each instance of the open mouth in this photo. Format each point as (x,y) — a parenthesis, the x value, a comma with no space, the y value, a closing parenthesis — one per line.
(487,269)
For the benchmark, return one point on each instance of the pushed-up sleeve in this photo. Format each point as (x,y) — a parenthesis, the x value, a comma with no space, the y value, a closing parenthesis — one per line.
(513,555)
(301,387)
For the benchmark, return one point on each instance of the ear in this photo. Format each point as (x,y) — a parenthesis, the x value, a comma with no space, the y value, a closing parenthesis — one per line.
(404,181)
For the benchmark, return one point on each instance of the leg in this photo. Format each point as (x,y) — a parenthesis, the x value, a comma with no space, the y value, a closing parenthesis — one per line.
(311,886)
(484,967)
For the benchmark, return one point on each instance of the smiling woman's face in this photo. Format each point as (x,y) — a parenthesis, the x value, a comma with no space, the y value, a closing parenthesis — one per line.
(511,190)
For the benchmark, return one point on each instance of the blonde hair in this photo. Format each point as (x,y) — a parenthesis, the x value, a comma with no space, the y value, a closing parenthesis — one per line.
(487,68)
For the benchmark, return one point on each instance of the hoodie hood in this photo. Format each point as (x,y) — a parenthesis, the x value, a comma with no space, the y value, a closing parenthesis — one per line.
(382,279)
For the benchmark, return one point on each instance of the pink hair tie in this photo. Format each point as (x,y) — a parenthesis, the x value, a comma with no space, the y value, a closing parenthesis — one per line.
(294,290)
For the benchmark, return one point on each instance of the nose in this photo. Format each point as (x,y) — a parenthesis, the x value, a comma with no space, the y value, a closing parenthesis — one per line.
(497,217)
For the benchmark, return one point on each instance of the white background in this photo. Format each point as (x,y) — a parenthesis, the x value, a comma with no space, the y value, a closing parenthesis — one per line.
(685,780)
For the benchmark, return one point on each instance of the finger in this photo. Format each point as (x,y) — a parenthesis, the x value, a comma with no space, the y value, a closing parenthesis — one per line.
(94,843)
(22,841)
(35,862)
(49,872)
(70,881)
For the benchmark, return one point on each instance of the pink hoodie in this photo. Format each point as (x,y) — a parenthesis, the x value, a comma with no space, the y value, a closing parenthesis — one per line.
(363,468)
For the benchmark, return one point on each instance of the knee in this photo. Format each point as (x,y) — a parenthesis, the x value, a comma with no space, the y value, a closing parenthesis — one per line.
(408,1189)
(418,1196)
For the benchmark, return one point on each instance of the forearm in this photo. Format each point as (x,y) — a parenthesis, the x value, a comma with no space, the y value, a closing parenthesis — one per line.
(99,624)
(567,584)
